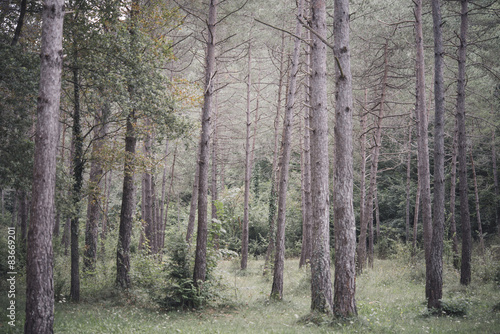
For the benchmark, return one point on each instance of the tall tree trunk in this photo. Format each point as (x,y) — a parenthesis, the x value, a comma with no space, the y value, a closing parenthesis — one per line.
(248,172)
(147,218)
(284,164)
(39,262)
(128,192)
(321,282)
(95,192)
(200,264)
(435,282)
(194,199)
(306,251)
(345,225)
(423,141)
(465,270)
(127,208)
(362,182)
(453,182)
(275,172)
(77,181)
(408,183)
(213,181)
(478,216)
(495,180)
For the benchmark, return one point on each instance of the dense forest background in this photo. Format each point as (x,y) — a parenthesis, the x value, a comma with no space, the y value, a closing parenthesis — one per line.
(150,57)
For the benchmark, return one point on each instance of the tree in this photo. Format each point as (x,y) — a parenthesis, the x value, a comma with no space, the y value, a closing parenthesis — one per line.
(39,272)
(321,282)
(128,193)
(200,263)
(95,192)
(465,270)
(284,164)
(248,171)
(435,281)
(345,225)
(423,141)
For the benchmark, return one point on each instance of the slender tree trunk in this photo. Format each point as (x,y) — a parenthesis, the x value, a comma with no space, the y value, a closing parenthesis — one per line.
(453,182)
(20,22)
(435,282)
(127,208)
(213,183)
(77,183)
(194,199)
(495,180)
(275,172)
(465,274)
(148,199)
(39,262)
(345,225)
(248,172)
(284,164)
(200,264)
(94,206)
(362,186)
(306,251)
(408,183)
(423,142)
(478,216)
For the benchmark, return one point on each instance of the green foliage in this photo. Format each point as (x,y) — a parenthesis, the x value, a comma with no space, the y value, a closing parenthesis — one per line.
(180,291)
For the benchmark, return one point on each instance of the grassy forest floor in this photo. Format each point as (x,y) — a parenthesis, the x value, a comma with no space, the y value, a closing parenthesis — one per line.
(390,299)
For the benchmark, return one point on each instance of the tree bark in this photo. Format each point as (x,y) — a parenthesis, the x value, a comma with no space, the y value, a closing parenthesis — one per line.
(95,192)
(128,192)
(321,282)
(248,172)
(408,183)
(423,141)
(284,164)
(194,199)
(127,208)
(275,172)
(478,215)
(200,264)
(435,282)
(39,262)
(465,270)
(345,225)
(147,200)
(77,179)
(306,251)
(495,180)
(453,182)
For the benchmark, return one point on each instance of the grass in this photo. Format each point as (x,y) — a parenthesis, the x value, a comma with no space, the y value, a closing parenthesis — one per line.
(390,299)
